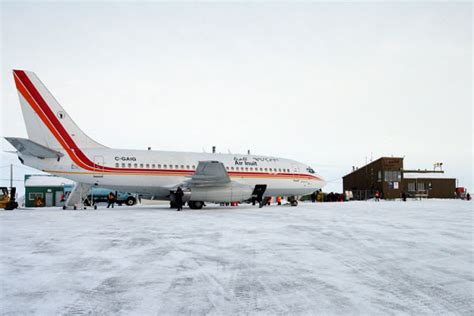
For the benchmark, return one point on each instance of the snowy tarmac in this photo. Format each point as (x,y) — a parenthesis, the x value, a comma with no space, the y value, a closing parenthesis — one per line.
(331,258)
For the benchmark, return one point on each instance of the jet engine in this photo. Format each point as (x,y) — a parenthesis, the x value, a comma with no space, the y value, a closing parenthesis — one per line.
(231,192)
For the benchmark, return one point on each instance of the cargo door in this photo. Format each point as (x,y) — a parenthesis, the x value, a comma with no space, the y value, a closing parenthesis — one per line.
(98,166)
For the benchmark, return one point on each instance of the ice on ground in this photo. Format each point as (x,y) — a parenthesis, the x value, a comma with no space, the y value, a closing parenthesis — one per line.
(333,258)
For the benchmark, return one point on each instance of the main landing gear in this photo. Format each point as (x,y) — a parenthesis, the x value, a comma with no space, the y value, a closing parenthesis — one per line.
(195,205)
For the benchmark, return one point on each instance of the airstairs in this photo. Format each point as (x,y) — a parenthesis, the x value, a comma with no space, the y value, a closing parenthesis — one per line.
(78,195)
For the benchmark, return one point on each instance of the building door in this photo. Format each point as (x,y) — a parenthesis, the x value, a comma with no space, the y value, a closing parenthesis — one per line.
(98,166)
(48,201)
(58,197)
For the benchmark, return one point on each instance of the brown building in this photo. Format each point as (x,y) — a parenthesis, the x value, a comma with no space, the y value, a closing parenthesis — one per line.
(387,176)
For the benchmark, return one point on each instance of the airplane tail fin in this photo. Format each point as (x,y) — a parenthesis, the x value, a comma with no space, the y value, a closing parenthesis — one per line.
(46,121)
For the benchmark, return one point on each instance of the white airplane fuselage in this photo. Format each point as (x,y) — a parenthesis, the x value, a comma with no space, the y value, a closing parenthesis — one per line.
(154,173)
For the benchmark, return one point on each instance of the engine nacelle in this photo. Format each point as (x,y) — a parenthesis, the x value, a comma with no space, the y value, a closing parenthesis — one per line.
(232,192)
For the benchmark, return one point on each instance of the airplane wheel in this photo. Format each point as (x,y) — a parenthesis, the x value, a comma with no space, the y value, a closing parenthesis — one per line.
(195,205)
(64,207)
(294,203)
(75,207)
(95,207)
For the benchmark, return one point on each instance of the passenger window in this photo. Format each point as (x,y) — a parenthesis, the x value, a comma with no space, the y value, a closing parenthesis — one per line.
(194,167)
(182,166)
(141,165)
(266,169)
(135,165)
(246,168)
(147,166)
(227,167)
(261,169)
(130,165)
(176,166)
(270,169)
(152,166)
(117,165)
(187,167)
(171,166)
(123,165)
(159,166)
(231,168)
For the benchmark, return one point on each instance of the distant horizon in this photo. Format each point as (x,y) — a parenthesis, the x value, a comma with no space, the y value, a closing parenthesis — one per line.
(326,84)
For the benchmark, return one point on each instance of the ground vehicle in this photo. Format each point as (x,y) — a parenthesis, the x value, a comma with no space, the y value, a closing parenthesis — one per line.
(100,195)
(7,199)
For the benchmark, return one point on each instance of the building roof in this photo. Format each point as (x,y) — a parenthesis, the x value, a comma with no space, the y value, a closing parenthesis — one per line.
(372,162)
(45,181)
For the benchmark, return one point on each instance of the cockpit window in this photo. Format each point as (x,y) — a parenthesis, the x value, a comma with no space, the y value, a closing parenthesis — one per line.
(310,170)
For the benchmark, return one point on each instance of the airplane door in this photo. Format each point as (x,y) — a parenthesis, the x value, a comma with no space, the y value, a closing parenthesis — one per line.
(98,166)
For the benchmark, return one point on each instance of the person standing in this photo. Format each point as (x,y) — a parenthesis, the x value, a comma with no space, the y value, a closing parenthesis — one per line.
(279,200)
(313,197)
(377,196)
(178,199)
(110,200)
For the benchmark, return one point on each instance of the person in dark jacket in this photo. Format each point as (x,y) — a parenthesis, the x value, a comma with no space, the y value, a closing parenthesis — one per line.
(110,199)
(313,197)
(178,198)
(404,196)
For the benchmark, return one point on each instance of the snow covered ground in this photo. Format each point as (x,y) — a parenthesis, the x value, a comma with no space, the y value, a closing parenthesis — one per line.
(333,258)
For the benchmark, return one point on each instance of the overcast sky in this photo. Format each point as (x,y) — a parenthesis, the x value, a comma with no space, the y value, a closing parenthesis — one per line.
(327,84)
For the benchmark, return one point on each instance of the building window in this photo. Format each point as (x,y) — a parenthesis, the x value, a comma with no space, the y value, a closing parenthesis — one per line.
(392,176)
(411,186)
(379,177)
(33,195)
(420,186)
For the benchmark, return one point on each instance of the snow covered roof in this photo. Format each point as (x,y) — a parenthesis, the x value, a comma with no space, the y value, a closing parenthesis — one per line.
(421,175)
(46,181)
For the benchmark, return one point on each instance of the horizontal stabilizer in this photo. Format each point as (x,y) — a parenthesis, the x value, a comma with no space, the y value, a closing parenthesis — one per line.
(209,173)
(29,147)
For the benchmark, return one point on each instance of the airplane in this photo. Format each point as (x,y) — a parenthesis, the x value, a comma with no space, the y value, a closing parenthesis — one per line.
(56,145)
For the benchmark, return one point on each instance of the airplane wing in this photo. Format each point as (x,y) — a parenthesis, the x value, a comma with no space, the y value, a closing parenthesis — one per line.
(29,147)
(208,174)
